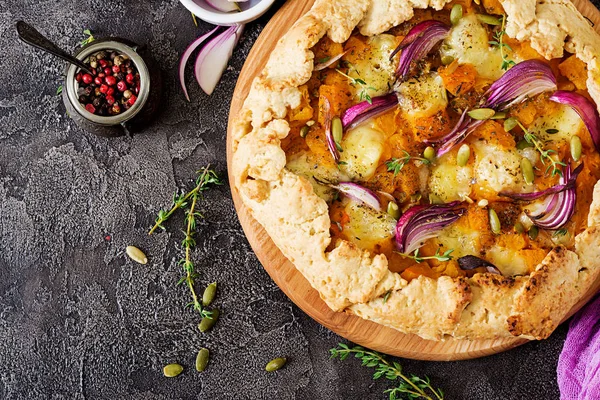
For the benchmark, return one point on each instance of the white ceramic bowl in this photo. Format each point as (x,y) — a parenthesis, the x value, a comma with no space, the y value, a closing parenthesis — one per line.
(207,13)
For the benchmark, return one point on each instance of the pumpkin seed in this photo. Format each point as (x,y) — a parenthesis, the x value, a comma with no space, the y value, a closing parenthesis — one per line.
(429,154)
(483,203)
(202,359)
(510,124)
(456,14)
(527,170)
(447,60)
(172,370)
(275,364)
(464,153)
(576,147)
(481,113)
(136,254)
(209,294)
(489,19)
(523,144)
(494,221)
(533,232)
(207,323)
(304,131)
(519,228)
(499,115)
(337,129)
(393,210)
(435,199)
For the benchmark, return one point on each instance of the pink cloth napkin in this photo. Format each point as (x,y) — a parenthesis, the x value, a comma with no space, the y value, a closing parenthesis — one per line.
(579,363)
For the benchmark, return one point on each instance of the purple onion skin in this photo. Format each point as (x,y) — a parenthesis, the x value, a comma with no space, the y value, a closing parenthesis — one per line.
(362,111)
(413,34)
(359,193)
(586,110)
(469,263)
(328,133)
(569,184)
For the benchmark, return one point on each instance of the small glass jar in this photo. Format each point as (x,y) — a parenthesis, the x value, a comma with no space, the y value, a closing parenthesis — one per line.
(139,114)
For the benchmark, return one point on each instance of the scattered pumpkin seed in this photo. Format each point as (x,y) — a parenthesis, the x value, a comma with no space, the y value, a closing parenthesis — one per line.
(447,60)
(533,232)
(519,228)
(304,131)
(209,294)
(202,359)
(494,222)
(435,199)
(527,170)
(489,19)
(275,364)
(456,14)
(499,115)
(172,370)
(483,203)
(576,147)
(481,114)
(136,254)
(429,154)
(310,123)
(207,323)
(510,124)
(523,144)
(464,153)
(393,210)
(337,129)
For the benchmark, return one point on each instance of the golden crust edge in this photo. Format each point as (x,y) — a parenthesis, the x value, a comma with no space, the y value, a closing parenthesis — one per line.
(482,307)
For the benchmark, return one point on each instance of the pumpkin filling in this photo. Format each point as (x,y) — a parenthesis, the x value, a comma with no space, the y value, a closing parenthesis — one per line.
(417,162)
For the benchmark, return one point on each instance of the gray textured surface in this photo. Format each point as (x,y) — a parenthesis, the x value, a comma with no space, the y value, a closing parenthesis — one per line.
(79,320)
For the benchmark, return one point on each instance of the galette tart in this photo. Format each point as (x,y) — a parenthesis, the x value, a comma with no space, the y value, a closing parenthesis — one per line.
(432,165)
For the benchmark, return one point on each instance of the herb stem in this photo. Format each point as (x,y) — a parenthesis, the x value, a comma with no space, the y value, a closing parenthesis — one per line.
(546,155)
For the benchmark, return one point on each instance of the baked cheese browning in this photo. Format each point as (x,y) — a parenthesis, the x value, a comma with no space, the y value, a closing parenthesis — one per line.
(430,102)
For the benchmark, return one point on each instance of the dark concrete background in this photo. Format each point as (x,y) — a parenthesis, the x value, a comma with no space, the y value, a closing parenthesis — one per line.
(79,320)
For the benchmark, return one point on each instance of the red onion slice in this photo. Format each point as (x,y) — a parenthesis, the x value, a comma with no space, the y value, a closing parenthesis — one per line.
(569,184)
(464,127)
(214,57)
(420,223)
(421,39)
(359,113)
(186,56)
(359,193)
(331,61)
(526,79)
(331,145)
(586,110)
(223,5)
(558,208)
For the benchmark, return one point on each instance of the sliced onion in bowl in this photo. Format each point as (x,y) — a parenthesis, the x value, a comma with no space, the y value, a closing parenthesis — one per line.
(223,5)
(186,56)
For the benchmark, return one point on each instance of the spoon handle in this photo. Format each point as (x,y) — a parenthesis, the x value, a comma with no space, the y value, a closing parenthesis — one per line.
(31,36)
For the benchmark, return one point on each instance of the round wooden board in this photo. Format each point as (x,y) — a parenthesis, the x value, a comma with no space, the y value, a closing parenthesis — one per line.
(295,286)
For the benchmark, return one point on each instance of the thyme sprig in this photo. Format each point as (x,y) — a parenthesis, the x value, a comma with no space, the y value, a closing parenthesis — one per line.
(364,87)
(437,256)
(412,387)
(396,164)
(499,43)
(89,39)
(552,164)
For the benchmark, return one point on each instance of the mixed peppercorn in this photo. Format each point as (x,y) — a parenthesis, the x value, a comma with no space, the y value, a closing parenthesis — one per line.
(113,86)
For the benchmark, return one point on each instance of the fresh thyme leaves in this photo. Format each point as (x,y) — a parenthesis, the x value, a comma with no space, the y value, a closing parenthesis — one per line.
(552,165)
(499,43)
(188,202)
(396,164)
(386,296)
(59,89)
(364,87)
(88,39)
(560,232)
(323,60)
(412,387)
(437,256)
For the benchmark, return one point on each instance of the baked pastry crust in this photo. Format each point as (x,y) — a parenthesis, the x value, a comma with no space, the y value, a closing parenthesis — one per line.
(353,280)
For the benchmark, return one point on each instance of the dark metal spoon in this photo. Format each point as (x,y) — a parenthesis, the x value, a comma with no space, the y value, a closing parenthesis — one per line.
(31,36)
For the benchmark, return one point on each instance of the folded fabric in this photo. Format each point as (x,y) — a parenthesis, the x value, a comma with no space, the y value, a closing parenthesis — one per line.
(579,363)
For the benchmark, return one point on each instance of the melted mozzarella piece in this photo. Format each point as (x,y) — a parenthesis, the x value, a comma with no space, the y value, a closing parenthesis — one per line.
(377,71)
(362,150)
(463,240)
(301,164)
(566,121)
(423,97)
(367,227)
(468,43)
(449,181)
(508,261)
(498,169)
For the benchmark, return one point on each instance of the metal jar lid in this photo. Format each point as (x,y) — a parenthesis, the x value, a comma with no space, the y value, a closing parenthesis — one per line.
(72,85)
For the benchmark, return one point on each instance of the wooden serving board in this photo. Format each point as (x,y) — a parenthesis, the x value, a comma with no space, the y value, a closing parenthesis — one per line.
(295,286)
